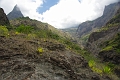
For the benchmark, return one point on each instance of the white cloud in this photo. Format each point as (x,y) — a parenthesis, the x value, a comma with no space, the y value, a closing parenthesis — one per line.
(28,7)
(67,13)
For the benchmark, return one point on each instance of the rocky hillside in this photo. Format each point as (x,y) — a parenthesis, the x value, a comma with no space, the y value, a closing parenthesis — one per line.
(41,60)
(105,43)
(3,19)
(27,53)
(15,13)
(88,26)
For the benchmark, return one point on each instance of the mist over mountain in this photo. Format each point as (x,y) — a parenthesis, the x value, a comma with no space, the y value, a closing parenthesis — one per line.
(15,13)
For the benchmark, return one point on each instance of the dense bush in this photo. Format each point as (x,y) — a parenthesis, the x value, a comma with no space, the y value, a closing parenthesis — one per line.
(3,31)
(47,34)
(24,29)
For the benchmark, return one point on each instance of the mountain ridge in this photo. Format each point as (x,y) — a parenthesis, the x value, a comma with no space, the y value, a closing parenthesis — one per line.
(88,26)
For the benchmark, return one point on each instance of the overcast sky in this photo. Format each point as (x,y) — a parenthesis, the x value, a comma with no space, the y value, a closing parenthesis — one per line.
(59,13)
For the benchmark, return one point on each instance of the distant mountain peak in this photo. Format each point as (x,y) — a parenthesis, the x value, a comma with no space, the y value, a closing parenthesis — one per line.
(16,8)
(15,13)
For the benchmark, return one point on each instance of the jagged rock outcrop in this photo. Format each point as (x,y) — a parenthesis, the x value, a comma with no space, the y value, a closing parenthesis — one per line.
(15,13)
(88,26)
(3,18)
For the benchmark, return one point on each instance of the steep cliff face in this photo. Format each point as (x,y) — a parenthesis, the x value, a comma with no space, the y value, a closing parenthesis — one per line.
(96,39)
(15,13)
(108,32)
(3,18)
(108,13)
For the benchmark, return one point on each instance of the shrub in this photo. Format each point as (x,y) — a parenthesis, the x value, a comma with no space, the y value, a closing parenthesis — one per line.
(24,29)
(107,48)
(41,33)
(31,36)
(17,33)
(53,35)
(91,63)
(106,69)
(94,67)
(40,51)
(3,31)
(97,70)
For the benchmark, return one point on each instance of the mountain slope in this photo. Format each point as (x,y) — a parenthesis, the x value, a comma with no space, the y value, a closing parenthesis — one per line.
(15,13)
(37,25)
(21,59)
(25,55)
(88,26)
(105,43)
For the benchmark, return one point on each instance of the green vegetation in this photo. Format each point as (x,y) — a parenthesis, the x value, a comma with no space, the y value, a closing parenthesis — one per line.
(91,63)
(113,44)
(108,26)
(23,18)
(97,70)
(24,29)
(31,36)
(4,31)
(70,45)
(100,68)
(108,48)
(84,39)
(115,21)
(40,50)
(46,34)
(106,69)
(103,29)
(17,33)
